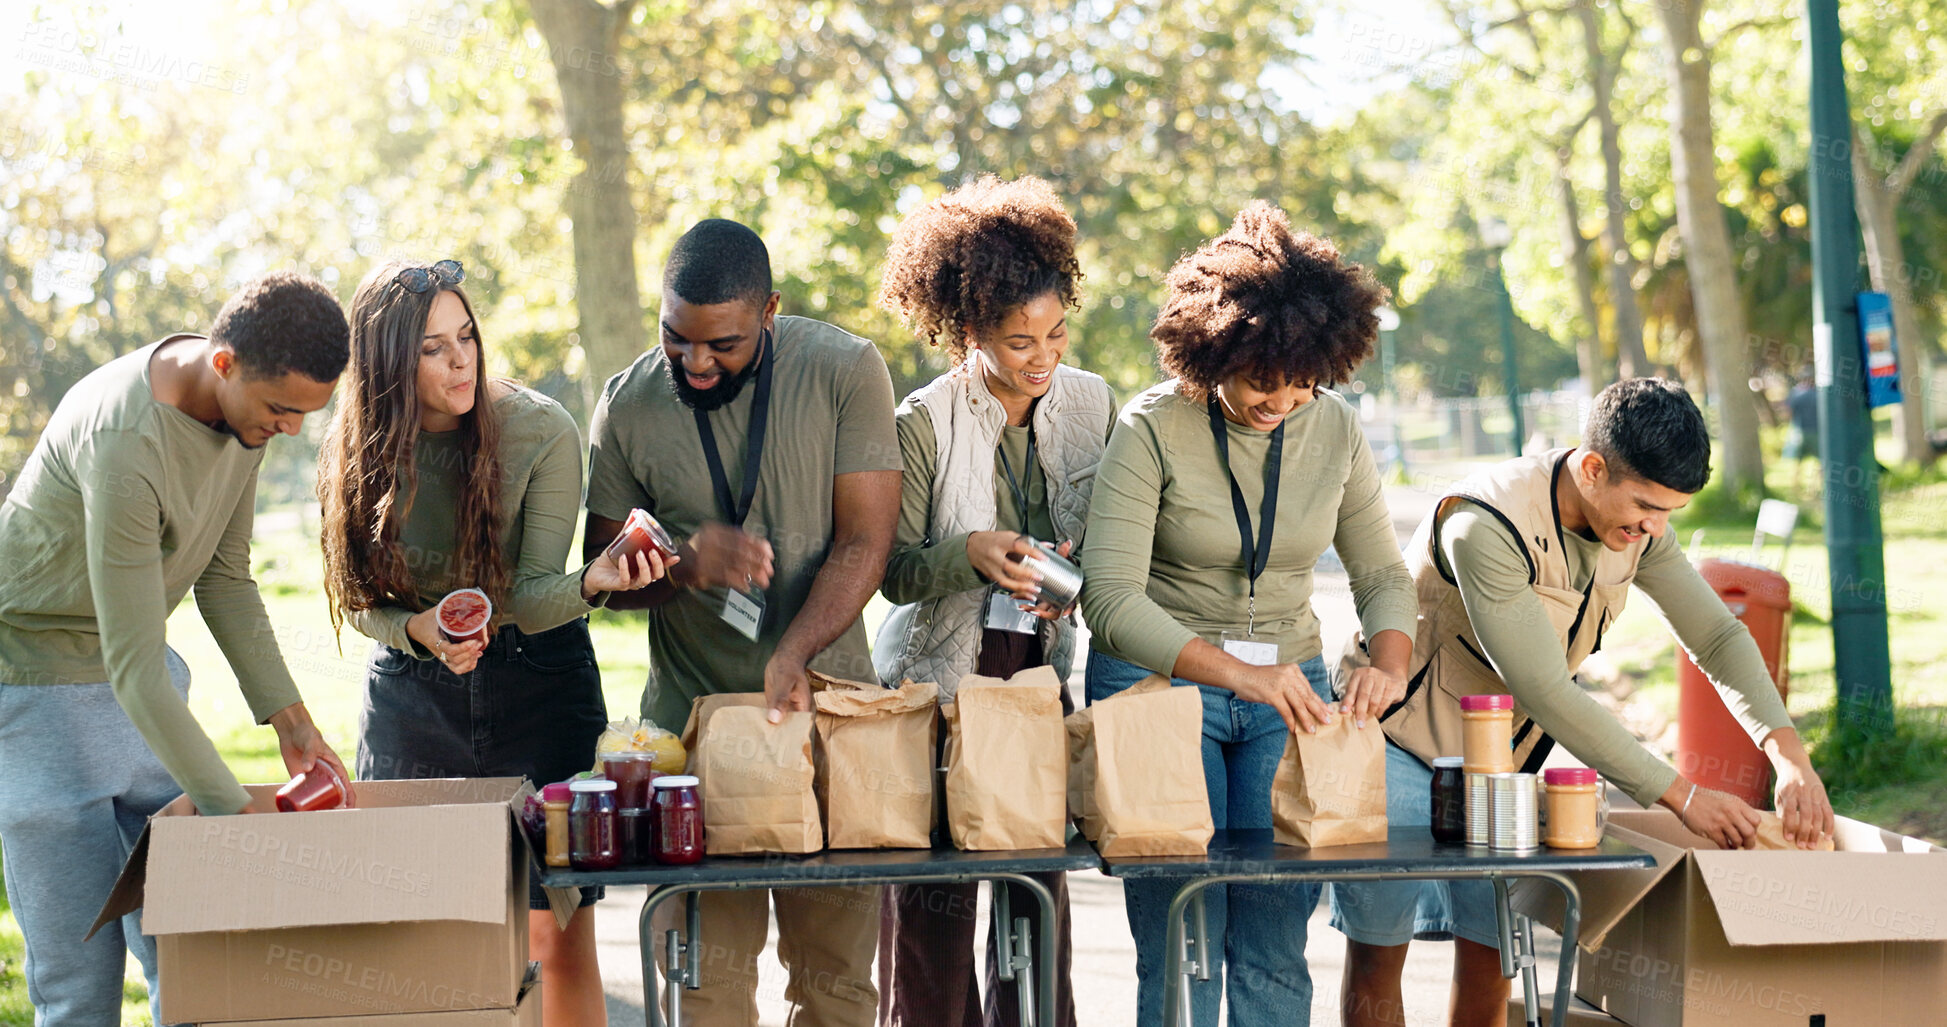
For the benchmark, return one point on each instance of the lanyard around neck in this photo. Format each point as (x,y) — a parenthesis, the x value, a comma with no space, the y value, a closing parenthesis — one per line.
(735,511)
(1258,555)
(1018,487)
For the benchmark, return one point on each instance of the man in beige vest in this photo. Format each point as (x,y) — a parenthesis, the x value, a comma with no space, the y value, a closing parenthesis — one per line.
(1519,572)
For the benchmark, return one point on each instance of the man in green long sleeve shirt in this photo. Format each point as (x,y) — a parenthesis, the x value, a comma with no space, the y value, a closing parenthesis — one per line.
(1519,572)
(142,487)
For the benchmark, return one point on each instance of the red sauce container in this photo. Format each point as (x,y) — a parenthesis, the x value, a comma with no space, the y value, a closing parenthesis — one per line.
(679,820)
(631,772)
(636,831)
(315,789)
(464,615)
(594,838)
(641,533)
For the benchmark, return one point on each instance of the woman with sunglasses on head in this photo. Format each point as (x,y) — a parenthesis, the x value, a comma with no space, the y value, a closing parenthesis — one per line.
(434,478)
(1002,447)
(1220,490)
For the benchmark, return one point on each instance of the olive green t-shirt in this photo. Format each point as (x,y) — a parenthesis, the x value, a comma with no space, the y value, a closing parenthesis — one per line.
(925,568)
(1491,571)
(125,505)
(540,505)
(830,414)
(1165,560)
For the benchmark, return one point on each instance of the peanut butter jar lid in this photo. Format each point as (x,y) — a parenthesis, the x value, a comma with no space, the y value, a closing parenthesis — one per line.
(1569,776)
(1473,703)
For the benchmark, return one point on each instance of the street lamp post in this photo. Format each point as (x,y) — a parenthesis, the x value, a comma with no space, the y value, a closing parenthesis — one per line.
(1862,663)
(1388,324)
(1495,236)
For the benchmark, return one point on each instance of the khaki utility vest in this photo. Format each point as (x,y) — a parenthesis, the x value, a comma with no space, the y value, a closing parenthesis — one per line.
(1448,660)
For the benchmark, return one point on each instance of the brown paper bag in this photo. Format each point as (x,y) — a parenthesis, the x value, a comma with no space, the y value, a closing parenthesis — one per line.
(1330,787)
(757,780)
(875,764)
(1135,771)
(1007,762)
(1771,835)
(701,711)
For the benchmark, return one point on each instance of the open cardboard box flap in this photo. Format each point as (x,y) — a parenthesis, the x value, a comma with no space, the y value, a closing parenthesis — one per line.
(1607,895)
(412,850)
(1878,886)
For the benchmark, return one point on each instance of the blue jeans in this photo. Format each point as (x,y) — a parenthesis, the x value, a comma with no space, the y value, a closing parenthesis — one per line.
(1396,912)
(77,785)
(1263,927)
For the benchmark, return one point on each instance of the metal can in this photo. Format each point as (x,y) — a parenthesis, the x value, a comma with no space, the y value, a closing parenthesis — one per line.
(1061,580)
(1480,824)
(1513,808)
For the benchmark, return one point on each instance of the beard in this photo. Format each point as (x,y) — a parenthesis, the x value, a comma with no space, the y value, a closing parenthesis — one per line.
(716,396)
(233,433)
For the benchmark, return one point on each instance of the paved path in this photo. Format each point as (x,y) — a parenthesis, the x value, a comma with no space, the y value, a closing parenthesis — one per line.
(1105,956)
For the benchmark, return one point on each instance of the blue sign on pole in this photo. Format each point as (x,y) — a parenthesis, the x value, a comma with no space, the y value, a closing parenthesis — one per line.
(1879,349)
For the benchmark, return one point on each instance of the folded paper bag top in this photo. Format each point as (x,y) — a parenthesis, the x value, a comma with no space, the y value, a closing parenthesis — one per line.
(1330,786)
(875,757)
(1007,762)
(1135,771)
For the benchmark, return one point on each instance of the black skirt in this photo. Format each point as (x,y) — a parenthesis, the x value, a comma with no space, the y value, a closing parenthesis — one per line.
(532,707)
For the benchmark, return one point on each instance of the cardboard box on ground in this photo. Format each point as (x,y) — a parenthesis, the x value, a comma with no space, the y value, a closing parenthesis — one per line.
(1756,939)
(415,902)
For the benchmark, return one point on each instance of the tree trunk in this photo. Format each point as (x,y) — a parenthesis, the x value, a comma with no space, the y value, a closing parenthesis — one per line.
(583,37)
(1707,248)
(1879,202)
(1631,359)
(1575,250)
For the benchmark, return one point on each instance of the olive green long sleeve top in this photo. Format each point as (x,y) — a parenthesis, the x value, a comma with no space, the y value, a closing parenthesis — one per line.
(1492,573)
(125,505)
(925,568)
(1165,562)
(540,503)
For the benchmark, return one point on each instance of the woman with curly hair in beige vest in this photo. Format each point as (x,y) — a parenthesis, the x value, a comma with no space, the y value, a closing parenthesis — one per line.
(999,452)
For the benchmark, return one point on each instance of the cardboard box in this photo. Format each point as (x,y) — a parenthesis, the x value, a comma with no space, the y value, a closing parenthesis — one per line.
(1756,939)
(414,902)
(1580,1013)
(526,1014)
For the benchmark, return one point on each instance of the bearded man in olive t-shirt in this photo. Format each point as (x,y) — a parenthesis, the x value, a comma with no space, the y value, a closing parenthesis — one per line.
(767,442)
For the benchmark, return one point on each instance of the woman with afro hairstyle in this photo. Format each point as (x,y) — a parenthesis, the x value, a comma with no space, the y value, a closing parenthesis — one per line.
(999,451)
(1220,489)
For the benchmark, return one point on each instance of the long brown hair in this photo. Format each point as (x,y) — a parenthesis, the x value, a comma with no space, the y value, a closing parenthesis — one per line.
(366,476)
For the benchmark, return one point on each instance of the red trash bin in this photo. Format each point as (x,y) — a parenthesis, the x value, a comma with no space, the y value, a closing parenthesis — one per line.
(1712,747)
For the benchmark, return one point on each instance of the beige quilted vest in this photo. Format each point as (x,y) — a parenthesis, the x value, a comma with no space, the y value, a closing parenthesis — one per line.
(939,640)
(1447,657)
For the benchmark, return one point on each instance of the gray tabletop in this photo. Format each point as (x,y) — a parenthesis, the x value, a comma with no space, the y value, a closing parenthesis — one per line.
(1406,850)
(836,866)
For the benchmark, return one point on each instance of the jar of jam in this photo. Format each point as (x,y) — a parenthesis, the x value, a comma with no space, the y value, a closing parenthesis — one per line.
(1449,801)
(679,820)
(1575,808)
(593,839)
(631,772)
(1487,740)
(555,799)
(636,836)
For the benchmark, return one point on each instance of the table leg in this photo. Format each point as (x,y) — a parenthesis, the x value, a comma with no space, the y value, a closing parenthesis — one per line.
(1185,957)
(1504,928)
(1044,975)
(1571,928)
(681,956)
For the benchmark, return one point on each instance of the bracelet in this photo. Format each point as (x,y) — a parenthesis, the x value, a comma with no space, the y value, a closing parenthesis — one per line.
(1685,811)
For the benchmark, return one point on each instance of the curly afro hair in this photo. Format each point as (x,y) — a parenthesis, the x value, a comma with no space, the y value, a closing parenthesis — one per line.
(283,323)
(960,264)
(1264,300)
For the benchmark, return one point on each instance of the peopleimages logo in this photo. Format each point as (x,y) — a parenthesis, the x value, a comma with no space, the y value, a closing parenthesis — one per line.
(274,852)
(372,987)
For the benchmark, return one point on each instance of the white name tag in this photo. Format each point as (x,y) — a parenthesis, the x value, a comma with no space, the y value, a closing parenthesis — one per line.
(1251,651)
(1004,613)
(745,612)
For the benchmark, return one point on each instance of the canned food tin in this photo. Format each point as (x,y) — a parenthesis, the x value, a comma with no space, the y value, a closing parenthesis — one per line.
(1061,580)
(1513,809)
(1480,823)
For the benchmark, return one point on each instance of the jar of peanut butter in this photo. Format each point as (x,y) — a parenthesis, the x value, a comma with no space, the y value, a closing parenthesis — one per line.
(1575,808)
(1487,740)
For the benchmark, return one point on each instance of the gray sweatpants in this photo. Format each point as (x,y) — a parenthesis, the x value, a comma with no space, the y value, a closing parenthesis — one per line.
(77,783)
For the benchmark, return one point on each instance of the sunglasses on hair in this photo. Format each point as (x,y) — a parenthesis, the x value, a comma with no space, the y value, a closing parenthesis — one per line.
(419,279)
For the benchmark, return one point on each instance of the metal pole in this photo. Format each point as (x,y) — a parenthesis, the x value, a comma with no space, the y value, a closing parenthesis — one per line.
(1856,556)
(1510,374)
